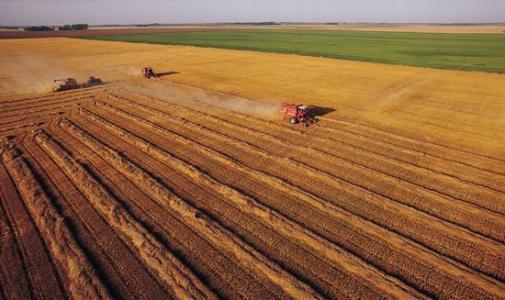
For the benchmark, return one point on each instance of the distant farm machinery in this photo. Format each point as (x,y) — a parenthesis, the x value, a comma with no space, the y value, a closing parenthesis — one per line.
(72,84)
(148,73)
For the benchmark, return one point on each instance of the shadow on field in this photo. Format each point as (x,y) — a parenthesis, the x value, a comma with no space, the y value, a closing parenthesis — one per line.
(162,74)
(318,111)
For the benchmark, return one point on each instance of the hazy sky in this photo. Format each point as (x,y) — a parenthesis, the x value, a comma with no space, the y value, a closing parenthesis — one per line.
(28,12)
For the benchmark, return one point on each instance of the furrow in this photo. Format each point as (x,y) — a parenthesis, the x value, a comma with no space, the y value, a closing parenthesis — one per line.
(293,256)
(463,155)
(221,236)
(428,163)
(420,185)
(82,279)
(43,110)
(252,207)
(483,227)
(117,262)
(457,170)
(170,270)
(46,98)
(423,198)
(441,237)
(13,277)
(28,119)
(445,152)
(43,275)
(418,120)
(431,262)
(222,273)
(10,111)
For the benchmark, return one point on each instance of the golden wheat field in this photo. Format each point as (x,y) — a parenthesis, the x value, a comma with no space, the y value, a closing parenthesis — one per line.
(190,185)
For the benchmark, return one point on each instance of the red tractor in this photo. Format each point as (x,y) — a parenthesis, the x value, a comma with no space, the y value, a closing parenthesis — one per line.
(296,114)
(148,72)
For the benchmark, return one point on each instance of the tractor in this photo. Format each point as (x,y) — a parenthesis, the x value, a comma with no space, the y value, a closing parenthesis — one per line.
(148,72)
(296,113)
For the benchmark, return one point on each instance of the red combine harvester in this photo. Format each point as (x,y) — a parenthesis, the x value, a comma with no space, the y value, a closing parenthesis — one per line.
(296,114)
(148,72)
(72,84)
(66,84)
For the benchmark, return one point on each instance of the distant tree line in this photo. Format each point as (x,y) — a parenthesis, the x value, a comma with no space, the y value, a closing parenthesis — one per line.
(39,28)
(62,28)
(74,27)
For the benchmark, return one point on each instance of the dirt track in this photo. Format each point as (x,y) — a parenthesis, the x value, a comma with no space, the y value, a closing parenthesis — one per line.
(172,198)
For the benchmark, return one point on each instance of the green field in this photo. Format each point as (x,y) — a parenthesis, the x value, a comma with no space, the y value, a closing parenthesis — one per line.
(474,52)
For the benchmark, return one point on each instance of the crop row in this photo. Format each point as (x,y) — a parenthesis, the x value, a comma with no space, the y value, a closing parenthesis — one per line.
(220,236)
(203,127)
(83,281)
(273,182)
(169,269)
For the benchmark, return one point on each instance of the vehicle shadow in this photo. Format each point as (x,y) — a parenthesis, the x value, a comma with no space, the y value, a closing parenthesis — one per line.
(162,74)
(318,111)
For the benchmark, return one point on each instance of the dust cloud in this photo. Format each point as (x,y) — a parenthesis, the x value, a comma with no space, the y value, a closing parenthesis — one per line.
(190,96)
(31,73)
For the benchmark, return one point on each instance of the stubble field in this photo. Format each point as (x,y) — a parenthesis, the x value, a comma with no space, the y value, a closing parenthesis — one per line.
(190,186)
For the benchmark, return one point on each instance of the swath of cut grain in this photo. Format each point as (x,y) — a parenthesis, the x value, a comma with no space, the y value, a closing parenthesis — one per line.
(445,152)
(404,191)
(82,279)
(116,259)
(269,180)
(490,228)
(242,201)
(435,240)
(408,182)
(455,169)
(13,276)
(437,263)
(42,273)
(220,236)
(180,279)
(390,151)
(222,273)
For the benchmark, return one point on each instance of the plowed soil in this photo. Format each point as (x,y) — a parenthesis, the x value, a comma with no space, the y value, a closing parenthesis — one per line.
(189,186)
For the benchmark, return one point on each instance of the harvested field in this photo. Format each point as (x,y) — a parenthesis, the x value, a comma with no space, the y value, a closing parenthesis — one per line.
(164,189)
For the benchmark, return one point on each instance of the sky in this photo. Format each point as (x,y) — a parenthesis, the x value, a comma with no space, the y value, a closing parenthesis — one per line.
(95,12)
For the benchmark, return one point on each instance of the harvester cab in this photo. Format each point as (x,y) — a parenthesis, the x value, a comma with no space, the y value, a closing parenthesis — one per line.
(148,72)
(296,114)
(66,84)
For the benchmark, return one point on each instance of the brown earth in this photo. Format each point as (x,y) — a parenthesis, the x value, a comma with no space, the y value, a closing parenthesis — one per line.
(115,30)
(18,34)
(190,185)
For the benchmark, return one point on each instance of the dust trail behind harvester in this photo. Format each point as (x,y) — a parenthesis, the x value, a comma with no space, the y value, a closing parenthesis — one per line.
(31,73)
(188,96)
